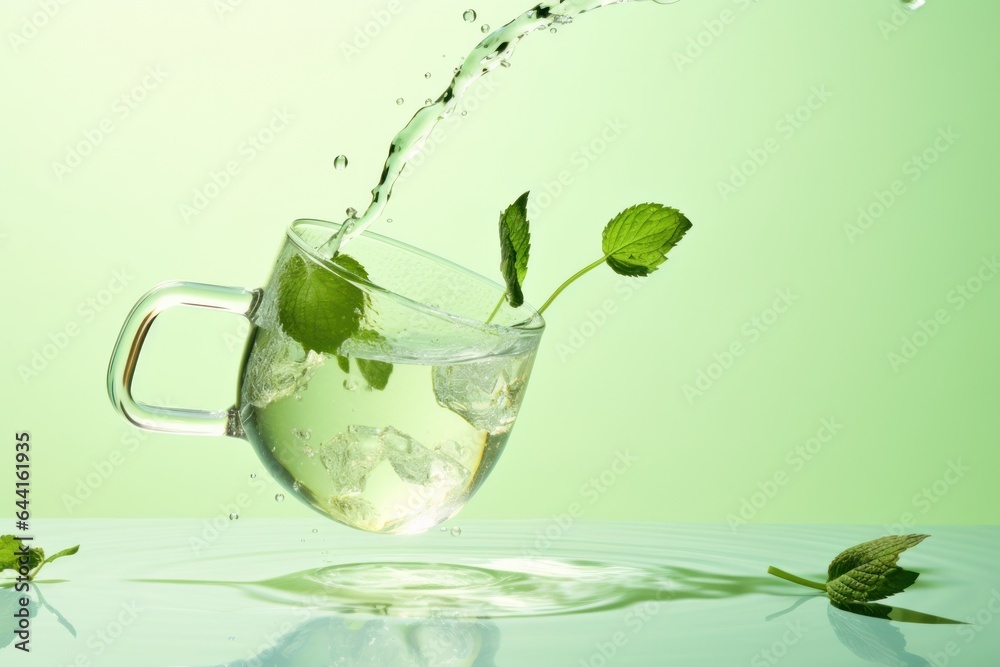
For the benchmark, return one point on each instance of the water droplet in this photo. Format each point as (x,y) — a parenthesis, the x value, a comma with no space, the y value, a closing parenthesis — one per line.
(315,530)
(399,100)
(340,164)
(352,212)
(253,475)
(427,75)
(444,529)
(469,15)
(486,27)
(233,516)
(279,497)
(456,531)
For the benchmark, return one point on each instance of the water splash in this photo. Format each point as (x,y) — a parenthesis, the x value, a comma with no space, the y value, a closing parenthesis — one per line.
(493,51)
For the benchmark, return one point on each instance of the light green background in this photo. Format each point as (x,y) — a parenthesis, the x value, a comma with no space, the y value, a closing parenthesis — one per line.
(596,390)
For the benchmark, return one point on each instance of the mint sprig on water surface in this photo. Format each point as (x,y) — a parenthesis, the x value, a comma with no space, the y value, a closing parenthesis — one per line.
(859,576)
(635,242)
(12,550)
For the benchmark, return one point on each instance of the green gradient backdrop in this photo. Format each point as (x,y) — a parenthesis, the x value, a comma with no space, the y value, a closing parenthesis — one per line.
(890,90)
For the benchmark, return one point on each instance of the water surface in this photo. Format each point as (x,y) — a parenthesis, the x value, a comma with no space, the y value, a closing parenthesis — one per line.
(306,592)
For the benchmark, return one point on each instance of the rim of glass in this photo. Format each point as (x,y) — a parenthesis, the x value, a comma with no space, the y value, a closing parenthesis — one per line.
(533,323)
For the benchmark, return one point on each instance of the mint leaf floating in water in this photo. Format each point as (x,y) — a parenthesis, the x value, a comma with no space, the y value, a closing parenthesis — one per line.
(317,307)
(321,310)
(865,573)
(12,550)
(869,572)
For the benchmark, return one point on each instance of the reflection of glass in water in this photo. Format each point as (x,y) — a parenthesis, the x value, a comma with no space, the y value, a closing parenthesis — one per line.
(323,642)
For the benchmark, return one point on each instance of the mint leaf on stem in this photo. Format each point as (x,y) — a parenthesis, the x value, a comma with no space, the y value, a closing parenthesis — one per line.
(635,242)
(867,572)
(11,550)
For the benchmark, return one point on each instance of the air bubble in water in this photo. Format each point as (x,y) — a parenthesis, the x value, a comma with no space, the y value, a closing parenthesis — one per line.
(486,27)
(388,220)
(456,531)
(552,29)
(279,497)
(469,15)
(465,113)
(427,75)
(399,100)
(444,529)
(340,164)
(352,212)
(233,516)
(253,475)
(315,530)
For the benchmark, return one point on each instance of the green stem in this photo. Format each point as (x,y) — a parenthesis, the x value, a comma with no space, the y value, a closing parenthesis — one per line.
(497,308)
(781,574)
(569,281)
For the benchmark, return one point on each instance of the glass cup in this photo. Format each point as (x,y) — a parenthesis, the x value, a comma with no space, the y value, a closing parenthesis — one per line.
(372,387)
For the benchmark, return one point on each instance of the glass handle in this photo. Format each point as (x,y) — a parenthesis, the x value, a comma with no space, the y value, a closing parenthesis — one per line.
(126,355)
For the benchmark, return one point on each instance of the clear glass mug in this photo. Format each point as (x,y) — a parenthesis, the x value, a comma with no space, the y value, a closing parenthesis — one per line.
(372,387)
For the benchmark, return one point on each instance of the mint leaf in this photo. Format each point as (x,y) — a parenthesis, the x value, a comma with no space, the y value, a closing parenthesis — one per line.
(637,240)
(11,550)
(515,242)
(317,307)
(868,572)
(376,373)
(344,363)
